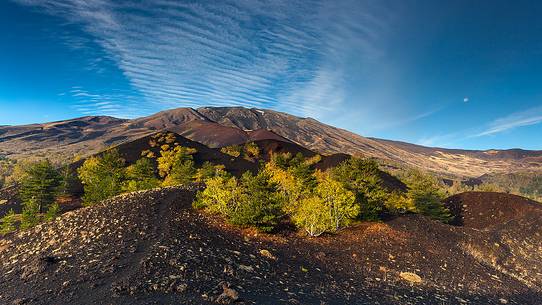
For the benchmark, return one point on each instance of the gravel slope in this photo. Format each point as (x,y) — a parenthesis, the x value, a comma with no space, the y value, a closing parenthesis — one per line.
(152,248)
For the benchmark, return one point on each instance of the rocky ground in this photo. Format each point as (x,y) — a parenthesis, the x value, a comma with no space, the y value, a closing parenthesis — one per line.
(153,248)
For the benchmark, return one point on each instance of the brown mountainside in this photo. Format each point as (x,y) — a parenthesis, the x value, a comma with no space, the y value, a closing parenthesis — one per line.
(222,126)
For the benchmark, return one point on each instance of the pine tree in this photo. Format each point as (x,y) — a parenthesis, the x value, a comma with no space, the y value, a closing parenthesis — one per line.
(30,214)
(8,222)
(40,184)
(102,176)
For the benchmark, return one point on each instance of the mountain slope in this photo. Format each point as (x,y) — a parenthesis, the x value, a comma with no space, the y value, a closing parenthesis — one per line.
(222,126)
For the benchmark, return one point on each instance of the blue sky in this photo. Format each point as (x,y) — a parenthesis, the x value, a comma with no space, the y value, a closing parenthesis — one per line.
(462,74)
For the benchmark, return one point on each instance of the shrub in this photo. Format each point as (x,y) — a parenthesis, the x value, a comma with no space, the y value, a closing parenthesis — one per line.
(40,183)
(102,176)
(7,223)
(52,212)
(67,179)
(181,173)
(426,196)
(250,201)
(220,195)
(140,176)
(208,170)
(363,178)
(232,150)
(329,208)
(173,157)
(30,214)
(251,151)
(259,205)
(312,216)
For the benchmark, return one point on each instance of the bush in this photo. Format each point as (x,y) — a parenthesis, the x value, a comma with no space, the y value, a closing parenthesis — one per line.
(363,178)
(30,214)
(329,208)
(168,158)
(181,173)
(140,176)
(102,176)
(40,183)
(250,201)
(232,150)
(251,151)
(7,223)
(260,205)
(426,196)
(52,212)
(208,171)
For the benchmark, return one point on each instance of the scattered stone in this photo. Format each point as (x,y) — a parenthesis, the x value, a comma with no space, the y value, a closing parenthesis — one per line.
(410,277)
(267,254)
(228,295)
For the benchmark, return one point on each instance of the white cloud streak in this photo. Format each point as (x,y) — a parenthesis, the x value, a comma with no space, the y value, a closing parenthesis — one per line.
(287,55)
(527,117)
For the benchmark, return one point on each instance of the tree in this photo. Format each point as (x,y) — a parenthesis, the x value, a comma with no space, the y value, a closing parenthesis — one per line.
(175,156)
(251,151)
(339,201)
(40,184)
(67,179)
(250,201)
(363,178)
(102,176)
(259,205)
(30,214)
(232,150)
(426,196)
(208,170)
(140,176)
(8,222)
(330,207)
(181,173)
(312,216)
(294,178)
(219,196)
(52,212)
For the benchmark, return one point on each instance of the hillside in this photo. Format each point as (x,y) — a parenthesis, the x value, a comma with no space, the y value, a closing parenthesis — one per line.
(217,127)
(152,248)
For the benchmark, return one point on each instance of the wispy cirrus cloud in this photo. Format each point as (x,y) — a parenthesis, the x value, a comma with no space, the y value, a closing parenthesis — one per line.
(288,55)
(527,117)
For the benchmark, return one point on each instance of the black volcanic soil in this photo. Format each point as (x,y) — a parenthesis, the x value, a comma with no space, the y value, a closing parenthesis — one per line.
(153,248)
(487,210)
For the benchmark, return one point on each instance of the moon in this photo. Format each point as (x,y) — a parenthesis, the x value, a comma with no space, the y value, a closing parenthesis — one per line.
(465,99)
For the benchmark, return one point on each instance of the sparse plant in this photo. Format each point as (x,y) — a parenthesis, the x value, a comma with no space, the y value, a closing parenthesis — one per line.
(7,223)
(102,176)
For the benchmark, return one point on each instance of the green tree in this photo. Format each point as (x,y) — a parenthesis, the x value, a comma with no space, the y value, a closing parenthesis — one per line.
(170,158)
(232,150)
(102,176)
(40,184)
(7,223)
(209,170)
(181,173)
(259,206)
(67,179)
(426,196)
(363,178)
(30,214)
(52,212)
(140,176)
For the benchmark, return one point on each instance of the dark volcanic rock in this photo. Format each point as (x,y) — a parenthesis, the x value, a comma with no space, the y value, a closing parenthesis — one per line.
(152,248)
